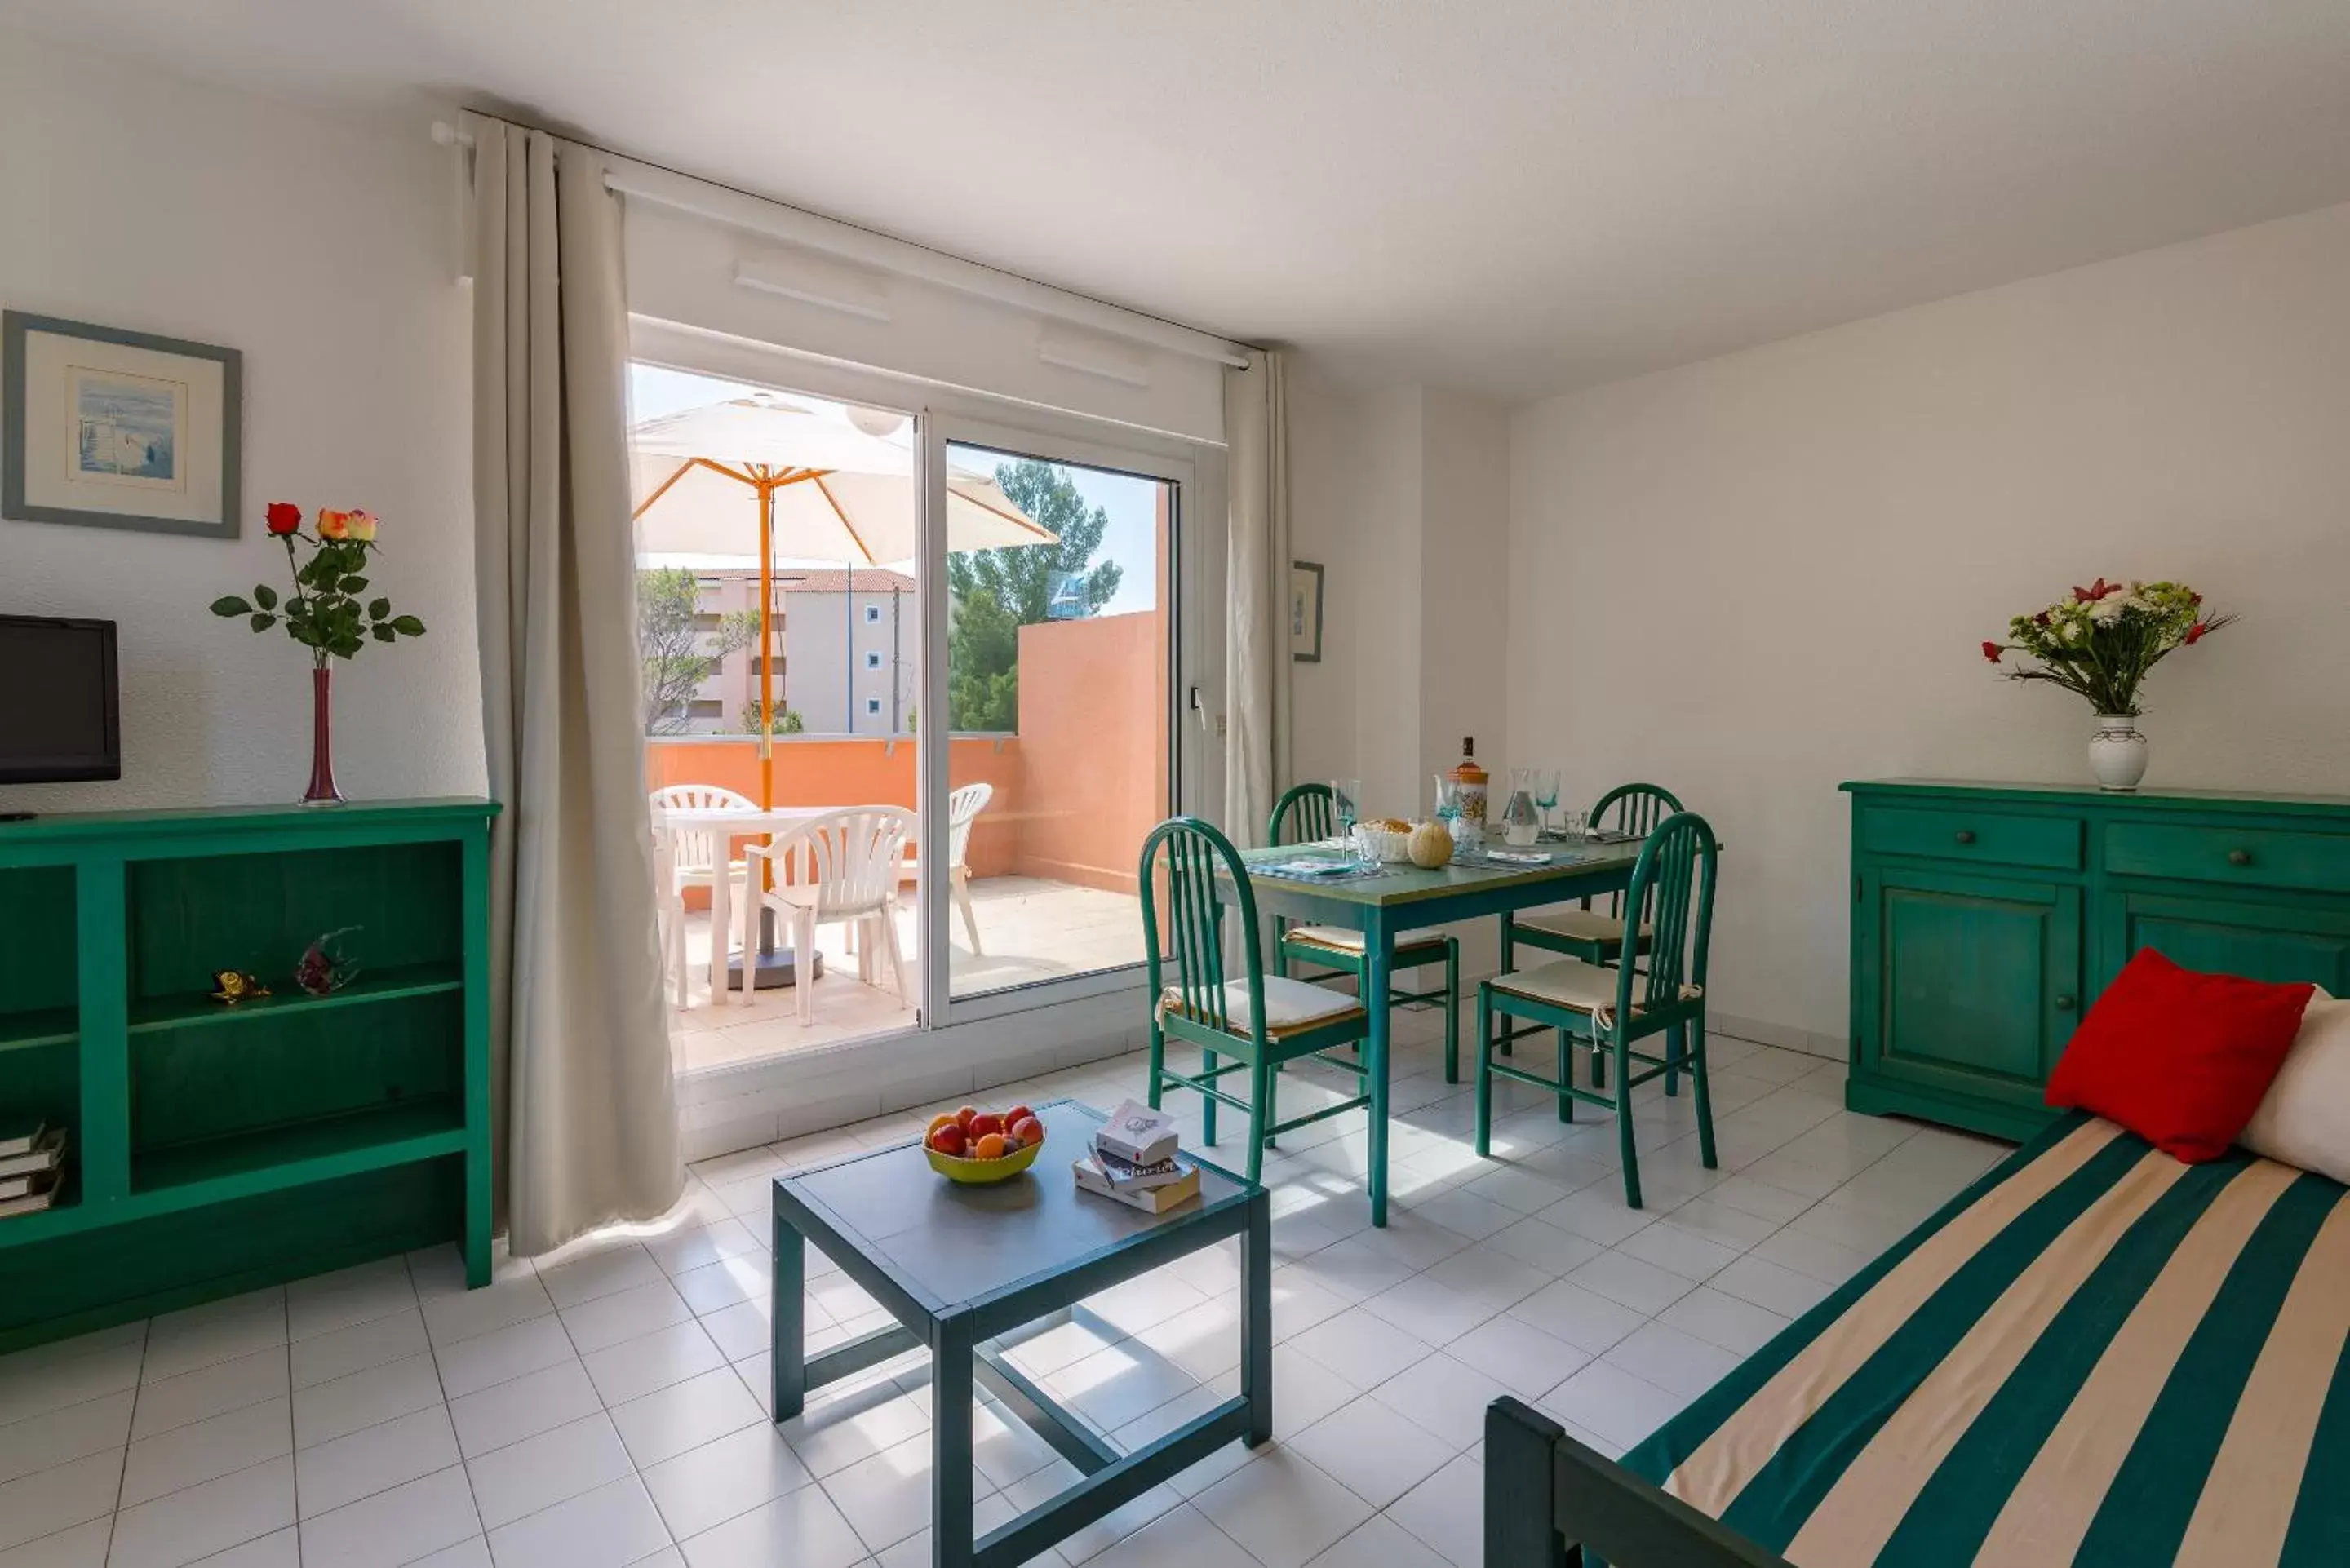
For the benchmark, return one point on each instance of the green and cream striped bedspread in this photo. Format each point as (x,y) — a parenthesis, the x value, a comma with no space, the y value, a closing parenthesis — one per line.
(2095,1356)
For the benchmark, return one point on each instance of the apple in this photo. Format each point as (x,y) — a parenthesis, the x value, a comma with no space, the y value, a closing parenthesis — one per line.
(984,1123)
(1016,1114)
(1028,1130)
(949,1139)
(966,1117)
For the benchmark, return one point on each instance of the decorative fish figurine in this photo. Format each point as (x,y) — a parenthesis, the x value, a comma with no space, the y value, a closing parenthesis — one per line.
(323,970)
(234,985)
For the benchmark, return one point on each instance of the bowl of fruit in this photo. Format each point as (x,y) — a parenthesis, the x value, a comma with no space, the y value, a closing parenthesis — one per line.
(980,1147)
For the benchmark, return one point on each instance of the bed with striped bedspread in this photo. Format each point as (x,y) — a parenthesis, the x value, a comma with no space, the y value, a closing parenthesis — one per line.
(2095,1356)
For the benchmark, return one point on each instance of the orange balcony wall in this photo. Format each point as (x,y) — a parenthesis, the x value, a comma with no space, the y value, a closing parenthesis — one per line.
(1077,789)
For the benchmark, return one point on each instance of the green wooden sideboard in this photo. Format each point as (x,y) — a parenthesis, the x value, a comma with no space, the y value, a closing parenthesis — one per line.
(1987,916)
(215,1149)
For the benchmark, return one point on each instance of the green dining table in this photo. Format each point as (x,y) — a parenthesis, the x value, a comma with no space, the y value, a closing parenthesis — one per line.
(1404,898)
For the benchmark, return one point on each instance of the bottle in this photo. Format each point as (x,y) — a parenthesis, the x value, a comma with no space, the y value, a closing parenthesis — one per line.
(1468,782)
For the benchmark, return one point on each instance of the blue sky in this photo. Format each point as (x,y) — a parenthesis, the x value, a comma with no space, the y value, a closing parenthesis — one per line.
(1129,540)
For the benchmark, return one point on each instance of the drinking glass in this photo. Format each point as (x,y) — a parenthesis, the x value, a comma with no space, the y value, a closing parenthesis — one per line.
(1546,793)
(1345,810)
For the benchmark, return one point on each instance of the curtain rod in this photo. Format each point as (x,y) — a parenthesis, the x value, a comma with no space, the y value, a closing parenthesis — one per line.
(724,204)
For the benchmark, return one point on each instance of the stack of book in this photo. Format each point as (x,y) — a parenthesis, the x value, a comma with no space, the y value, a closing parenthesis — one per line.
(1133,1160)
(31,1158)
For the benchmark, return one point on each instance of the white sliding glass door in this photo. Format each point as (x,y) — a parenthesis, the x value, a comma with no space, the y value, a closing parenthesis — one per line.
(1056,663)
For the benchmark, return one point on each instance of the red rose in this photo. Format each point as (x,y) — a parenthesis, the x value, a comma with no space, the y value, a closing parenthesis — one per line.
(1991,651)
(283,517)
(2195,633)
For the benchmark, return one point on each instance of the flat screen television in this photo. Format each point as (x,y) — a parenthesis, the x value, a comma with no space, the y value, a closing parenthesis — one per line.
(58,719)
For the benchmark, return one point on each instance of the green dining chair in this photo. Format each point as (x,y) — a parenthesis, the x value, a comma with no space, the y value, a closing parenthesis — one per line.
(1252,1023)
(1302,817)
(1595,936)
(1610,1010)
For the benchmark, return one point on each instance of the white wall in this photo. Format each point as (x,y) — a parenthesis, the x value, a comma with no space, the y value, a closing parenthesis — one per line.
(1402,492)
(1752,579)
(325,253)
(1463,588)
(1325,477)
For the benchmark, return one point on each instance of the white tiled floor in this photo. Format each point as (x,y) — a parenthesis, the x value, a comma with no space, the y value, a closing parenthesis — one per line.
(607,1406)
(1033,929)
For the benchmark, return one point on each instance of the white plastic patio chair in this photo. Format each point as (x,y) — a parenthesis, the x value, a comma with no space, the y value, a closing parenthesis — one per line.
(692,861)
(842,867)
(963,807)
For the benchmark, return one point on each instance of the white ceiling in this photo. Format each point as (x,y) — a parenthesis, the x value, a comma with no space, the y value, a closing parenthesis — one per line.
(1512,196)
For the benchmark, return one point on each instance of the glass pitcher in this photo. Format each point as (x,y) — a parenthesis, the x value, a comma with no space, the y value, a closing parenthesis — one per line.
(1451,811)
(1520,823)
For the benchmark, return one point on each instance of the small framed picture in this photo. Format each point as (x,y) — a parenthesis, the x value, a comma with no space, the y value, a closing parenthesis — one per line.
(113,429)
(1306,611)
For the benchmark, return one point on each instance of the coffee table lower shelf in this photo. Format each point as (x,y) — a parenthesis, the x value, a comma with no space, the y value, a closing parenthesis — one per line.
(960,1338)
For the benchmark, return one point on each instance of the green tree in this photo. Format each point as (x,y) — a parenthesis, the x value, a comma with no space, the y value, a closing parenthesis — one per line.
(997,592)
(679,646)
(788,720)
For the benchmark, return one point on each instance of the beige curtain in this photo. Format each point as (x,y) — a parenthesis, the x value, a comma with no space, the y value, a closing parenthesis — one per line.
(580,1030)
(1256,586)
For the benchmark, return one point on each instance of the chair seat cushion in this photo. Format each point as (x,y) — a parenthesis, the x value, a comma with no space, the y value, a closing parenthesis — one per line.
(1573,984)
(1290,1006)
(1580,926)
(1339,938)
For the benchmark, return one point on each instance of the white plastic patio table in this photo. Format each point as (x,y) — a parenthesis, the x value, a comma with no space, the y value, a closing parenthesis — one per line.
(735,822)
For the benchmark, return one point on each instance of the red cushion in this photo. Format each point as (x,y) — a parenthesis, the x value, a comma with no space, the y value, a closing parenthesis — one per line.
(2178,1057)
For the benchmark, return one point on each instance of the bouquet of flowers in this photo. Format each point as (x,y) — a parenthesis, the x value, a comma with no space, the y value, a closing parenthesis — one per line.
(324,613)
(2100,641)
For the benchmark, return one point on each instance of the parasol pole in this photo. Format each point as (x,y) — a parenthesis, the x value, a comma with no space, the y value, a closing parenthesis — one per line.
(766,656)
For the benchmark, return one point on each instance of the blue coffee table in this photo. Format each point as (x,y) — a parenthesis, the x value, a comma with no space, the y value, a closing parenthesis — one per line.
(957,1266)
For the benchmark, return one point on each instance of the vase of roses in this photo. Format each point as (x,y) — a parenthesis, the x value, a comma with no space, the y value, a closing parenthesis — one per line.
(2099,643)
(325,614)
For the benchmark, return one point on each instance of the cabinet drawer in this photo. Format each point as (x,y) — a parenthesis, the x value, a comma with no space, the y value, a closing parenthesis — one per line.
(2050,842)
(2253,857)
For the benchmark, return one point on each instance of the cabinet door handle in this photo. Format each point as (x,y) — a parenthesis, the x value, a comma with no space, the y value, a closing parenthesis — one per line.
(2065,1002)
(2239,857)
(1965,836)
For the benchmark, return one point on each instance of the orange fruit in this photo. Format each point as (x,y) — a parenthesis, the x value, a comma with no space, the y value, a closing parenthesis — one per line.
(988,1147)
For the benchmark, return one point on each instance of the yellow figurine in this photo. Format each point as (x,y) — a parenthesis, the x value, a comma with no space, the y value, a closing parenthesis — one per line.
(234,985)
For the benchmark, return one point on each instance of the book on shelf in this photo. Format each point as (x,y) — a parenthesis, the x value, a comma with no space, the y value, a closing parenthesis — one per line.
(1138,1133)
(38,1197)
(1150,1200)
(20,1136)
(44,1155)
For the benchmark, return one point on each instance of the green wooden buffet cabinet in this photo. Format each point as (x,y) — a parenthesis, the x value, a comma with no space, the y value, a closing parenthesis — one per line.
(1987,916)
(213,1149)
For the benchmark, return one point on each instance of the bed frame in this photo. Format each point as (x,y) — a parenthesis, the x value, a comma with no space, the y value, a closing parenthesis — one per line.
(1550,1501)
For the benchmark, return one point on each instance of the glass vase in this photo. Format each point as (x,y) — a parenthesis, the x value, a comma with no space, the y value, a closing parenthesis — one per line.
(322,789)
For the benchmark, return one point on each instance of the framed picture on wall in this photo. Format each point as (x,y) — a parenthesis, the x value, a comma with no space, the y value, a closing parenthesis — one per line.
(113,429)
(1306,611)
